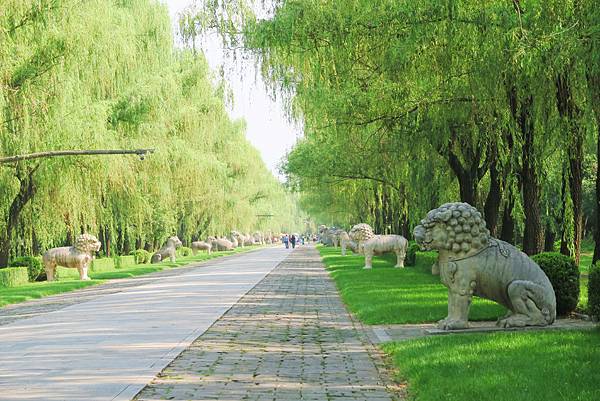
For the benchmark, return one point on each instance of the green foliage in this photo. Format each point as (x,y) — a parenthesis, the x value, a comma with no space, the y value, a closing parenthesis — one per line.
(79,77)
(13,276)
(184,251)
(142,256)
(35,269)
(538,366)
(387,295)
(127,261)
(564,276)
(38,290)
(102,264)
(411,254)
(594,292)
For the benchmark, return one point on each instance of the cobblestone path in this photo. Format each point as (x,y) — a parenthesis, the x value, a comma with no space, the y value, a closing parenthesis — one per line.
(289,338)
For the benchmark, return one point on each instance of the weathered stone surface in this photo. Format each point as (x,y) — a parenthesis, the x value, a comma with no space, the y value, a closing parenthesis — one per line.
(380,244)
(201,246)
(77,256)
(290,338)
(167,251)
(473,263)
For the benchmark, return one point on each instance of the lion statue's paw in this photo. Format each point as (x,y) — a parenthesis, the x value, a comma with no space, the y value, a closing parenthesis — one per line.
(452,324)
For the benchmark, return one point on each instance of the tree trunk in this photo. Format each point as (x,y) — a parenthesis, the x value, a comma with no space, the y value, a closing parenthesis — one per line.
(596,256)
(533,238)
(508,223)
(27,190)
(492,204)
(550,237)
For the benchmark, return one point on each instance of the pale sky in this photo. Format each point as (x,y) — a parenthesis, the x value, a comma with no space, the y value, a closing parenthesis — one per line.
(268,128)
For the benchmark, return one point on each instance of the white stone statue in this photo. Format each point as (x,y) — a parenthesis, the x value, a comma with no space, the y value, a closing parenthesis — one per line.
(473,263)
(220,244)
(361,233)
(201,246)
(168,250)
(380,244)
(77,256)
(236,239)
(347,243)
(248,240)
(258,238)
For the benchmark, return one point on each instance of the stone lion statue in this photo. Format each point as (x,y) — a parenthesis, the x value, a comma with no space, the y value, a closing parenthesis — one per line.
(201,246)
(380,244)
(168,250)
(473,263)
(360,233)
(77,256)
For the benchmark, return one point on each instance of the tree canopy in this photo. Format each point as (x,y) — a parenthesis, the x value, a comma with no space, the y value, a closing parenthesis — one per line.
(108,76)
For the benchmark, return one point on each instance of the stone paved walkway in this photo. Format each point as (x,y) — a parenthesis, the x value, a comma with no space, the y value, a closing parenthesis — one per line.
(29,309)
(290,338)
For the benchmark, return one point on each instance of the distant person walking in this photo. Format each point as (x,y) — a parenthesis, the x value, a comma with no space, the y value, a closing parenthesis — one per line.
(286,241)
(293,241)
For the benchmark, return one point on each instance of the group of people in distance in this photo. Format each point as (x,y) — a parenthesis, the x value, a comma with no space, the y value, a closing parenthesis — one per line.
(292,239)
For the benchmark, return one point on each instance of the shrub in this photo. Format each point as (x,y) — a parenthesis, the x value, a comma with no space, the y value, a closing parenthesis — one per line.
(142,256)
(564,276)
(14,276)
(102,265)
(34,266)
(411,255)
(594,292)
(127,261)
(184,251)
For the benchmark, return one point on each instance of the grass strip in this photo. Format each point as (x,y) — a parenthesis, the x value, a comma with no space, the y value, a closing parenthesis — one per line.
(533,366)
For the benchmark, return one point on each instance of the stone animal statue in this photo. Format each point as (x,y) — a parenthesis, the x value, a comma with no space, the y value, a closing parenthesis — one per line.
(258,238)
(77,256)
(473,263)
(222,244)
(167,251)
(201,246)
(236,239)
(248,240)
(346,242)
(380,244)
(360,233)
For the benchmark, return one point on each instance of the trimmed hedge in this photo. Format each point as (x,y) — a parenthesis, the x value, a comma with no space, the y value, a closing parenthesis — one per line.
(14,276)
(564,276)
(102,265)
(594,292)
(127,261)
(142,256)
(411,255)
(34,266)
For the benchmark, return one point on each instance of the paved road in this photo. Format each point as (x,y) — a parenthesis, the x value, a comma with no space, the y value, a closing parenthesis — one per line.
(109,347)
(289,339)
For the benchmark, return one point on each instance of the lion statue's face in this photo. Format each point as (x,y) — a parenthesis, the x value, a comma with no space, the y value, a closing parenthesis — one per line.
(87,243)
(454,227)
(175,241)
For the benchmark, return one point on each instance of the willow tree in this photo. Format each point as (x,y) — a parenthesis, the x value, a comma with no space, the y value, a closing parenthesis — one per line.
(107,75)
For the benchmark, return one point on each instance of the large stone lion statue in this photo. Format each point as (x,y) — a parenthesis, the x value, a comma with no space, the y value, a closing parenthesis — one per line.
(473,263)
(360,233)
(380,244)
(220,244)
(77,256)
(168,250)
(200,246)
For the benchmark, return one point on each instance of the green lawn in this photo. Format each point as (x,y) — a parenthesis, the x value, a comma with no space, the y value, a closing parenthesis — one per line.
(69,278)
(544,366)
(386,295)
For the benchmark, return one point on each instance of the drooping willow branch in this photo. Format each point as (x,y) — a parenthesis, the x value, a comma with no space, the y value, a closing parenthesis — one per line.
(56,153)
